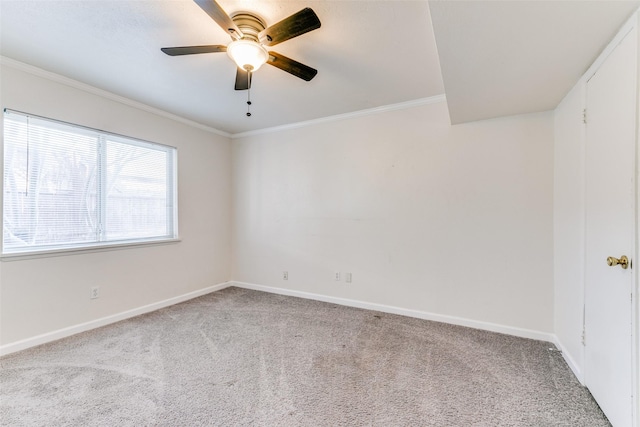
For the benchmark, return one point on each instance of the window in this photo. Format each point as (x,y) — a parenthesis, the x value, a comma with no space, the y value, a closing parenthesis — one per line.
(68,187)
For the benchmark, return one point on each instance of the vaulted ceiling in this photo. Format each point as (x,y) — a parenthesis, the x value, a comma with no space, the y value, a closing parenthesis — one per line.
(497,57)
(509,57)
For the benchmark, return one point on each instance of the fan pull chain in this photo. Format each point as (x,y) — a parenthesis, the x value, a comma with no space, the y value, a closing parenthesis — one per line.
(249,94)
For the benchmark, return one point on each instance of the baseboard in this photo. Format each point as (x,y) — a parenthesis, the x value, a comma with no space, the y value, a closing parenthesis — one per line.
(93,324)
(493,327)
(567,358)
(486,326)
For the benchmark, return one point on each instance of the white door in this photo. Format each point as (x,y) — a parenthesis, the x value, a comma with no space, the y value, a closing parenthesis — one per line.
(611,118)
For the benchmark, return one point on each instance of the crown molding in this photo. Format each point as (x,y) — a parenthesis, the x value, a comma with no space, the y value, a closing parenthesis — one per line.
(105,94)
(345,116)
(9,62)
(626,28)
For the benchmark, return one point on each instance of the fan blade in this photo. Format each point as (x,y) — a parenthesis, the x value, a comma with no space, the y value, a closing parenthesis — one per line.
(295,25)
(243,79)
(217,13)
(192,50)
(292,67)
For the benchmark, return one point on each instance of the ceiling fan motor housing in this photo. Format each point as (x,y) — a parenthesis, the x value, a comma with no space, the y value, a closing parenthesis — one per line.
(248,53)
(250,24)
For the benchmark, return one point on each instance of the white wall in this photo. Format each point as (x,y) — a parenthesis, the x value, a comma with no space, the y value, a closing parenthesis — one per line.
(452,220)
(46,294)
(569,226)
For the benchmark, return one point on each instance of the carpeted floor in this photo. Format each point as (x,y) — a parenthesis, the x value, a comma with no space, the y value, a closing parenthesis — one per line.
(240,358)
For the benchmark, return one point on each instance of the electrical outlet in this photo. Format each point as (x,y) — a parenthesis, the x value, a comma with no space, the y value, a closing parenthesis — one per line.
(336,277)
(285,275)
(95,292)
(347,277)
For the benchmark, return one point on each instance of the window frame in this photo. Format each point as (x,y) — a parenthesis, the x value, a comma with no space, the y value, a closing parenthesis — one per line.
(99,245)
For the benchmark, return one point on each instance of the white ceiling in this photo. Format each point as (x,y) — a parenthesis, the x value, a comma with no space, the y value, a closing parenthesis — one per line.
(368,54)
(510,57)
(498,57)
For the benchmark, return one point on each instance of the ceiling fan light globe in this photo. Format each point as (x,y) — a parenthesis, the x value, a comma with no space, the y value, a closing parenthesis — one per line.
(247,54)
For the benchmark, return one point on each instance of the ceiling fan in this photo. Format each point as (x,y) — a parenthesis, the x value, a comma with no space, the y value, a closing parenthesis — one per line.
(250,39)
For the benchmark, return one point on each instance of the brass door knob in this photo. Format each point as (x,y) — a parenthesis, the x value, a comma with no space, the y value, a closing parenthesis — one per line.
(623,261)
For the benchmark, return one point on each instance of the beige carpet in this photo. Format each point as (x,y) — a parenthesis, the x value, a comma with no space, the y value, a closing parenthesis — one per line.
(247,358)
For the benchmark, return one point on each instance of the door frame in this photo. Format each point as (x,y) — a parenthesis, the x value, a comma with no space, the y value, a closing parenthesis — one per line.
(634,271)
(635,309)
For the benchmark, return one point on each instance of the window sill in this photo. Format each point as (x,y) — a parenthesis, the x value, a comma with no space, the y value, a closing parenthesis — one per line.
(84,250)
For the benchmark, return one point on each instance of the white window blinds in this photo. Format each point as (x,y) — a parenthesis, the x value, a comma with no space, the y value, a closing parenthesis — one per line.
(67,186)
